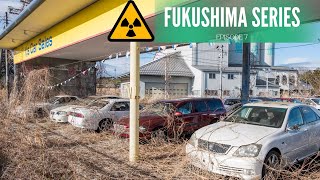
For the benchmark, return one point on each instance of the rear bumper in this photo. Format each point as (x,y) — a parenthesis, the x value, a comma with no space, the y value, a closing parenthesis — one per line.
(245,168)
(59,118)
(81,123)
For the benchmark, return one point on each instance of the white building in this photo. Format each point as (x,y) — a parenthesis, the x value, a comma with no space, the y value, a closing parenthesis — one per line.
(198,72)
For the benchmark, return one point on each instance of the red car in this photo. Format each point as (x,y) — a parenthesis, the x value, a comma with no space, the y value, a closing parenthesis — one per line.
(181,116)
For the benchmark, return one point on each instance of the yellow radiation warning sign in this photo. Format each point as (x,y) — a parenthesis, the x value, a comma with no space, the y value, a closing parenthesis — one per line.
(130,26)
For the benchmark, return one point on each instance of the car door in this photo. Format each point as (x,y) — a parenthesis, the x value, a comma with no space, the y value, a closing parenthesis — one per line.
(119,109)
(201,113)
(296,140)
(187,121)
(311,119)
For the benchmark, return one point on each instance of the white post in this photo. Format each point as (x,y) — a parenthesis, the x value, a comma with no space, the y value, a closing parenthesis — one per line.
(134,101)
(267,83)
(7,73)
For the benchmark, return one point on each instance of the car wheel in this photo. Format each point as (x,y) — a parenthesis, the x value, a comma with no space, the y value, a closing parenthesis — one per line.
(104,124)
(271,166)
(159,133)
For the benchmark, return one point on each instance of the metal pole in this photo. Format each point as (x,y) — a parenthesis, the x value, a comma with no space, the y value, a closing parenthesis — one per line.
(267,83)
(245,73)
(165,78)
(7,74)
(220,68)
(134,101)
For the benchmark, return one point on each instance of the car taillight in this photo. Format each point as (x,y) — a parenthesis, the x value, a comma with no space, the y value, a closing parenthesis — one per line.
(79,115)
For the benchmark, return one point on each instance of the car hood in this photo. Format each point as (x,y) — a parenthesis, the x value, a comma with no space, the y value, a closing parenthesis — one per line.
(234,134)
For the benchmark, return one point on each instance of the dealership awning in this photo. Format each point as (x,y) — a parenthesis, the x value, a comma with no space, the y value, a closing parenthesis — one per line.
(39,16)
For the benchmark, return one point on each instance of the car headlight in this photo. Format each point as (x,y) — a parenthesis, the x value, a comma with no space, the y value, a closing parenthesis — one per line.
(193,140)
(251,150)
(142,129)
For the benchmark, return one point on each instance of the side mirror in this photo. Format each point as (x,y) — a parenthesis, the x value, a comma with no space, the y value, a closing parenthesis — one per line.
(178,114)
(294,128)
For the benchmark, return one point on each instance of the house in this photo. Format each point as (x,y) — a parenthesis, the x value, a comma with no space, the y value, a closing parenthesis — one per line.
(165,76)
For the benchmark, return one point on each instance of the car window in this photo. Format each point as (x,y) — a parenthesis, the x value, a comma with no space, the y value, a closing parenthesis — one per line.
(186,108)
(214,105)
(200,106)
(61,100)
(317,101)
(295,118)
(120,106)
(308,115)
(73,99)
(262,116)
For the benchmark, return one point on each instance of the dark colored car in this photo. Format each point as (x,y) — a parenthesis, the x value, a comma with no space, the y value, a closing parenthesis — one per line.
(175,116)
(292,100)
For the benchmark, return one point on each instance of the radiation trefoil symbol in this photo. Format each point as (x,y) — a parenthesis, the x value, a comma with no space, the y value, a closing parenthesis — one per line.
(130,26)
(136,23)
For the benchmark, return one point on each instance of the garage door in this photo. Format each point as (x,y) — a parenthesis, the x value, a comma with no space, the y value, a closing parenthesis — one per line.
(174,89)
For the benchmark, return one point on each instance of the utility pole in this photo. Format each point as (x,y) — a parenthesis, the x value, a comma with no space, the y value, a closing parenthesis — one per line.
(245,73)
(6,59)
(220,69)
(134,100)
(166,77)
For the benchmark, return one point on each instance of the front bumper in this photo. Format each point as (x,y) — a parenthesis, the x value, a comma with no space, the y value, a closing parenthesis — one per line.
(224,164)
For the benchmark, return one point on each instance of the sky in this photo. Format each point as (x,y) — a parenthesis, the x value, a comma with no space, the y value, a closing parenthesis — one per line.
(4,7)
(305,55)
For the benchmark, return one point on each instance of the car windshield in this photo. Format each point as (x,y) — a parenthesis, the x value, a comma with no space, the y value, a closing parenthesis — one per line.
(317,101)
(98,103)
(54,99)
(160,108)
(261,116)
(231,102)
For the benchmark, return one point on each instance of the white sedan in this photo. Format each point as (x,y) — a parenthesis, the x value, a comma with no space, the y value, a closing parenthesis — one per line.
(60,114)
(256,137)
(100,114)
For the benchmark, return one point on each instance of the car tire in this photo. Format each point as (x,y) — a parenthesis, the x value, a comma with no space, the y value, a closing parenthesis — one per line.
(159,133)
(271,163)
(104,124)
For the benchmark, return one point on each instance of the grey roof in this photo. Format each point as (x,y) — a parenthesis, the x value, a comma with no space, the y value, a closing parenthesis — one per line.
(176,66)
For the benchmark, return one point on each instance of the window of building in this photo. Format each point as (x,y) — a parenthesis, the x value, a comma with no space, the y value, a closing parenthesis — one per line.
(230,76)
(226,93)
(284,80)
(212,76)
(251,92)
(211,92)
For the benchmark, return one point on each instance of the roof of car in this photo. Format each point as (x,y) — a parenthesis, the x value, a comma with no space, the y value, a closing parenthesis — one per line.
(274,104)
(187,99)
(65,96)
(114,100)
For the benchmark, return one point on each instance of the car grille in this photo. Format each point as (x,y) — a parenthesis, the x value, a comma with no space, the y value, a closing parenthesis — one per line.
(232,170)
(213,147)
